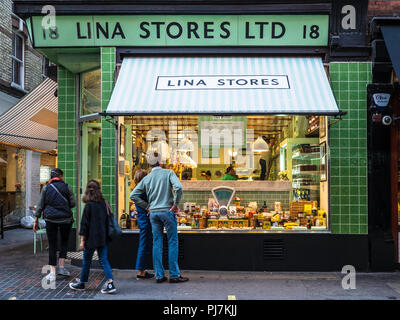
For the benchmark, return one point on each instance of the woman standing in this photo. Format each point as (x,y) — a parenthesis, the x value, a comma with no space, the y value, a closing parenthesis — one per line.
(145,235)
(55,203)
(94,236)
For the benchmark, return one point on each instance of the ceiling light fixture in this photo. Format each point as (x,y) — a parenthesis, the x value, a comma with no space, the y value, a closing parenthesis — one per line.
(260,145)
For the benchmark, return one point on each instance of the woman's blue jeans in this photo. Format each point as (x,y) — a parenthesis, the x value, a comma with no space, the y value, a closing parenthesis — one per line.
(103,259)
(159,220)
(145,239)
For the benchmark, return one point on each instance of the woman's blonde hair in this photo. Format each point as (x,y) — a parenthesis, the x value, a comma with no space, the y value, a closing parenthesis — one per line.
(139,175)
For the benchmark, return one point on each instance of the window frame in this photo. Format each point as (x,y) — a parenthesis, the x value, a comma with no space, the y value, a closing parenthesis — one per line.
(21,62)
(45,66)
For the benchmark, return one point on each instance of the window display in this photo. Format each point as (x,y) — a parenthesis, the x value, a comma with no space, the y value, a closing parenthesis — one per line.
(239,173)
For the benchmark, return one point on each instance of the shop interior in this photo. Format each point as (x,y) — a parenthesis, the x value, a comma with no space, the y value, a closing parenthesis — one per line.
(239,173)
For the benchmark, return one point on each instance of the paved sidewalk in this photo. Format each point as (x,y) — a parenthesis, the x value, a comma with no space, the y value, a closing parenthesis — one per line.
(21,271)
(21,276)
(216,285)
(18,237)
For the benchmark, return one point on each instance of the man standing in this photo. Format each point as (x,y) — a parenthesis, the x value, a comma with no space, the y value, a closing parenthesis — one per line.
(163,207)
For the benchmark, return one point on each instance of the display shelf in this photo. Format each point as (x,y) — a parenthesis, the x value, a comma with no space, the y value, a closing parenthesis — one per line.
(306,160)
(307,173)
(306,186)
(313,134)
(305,156)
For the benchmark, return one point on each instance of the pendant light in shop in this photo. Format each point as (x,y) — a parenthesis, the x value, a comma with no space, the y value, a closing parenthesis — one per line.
(260,145)
(186,160)
(185,146)
(161,148)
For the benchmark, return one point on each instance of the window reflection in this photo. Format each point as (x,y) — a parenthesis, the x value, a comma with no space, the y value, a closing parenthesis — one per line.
(91,92)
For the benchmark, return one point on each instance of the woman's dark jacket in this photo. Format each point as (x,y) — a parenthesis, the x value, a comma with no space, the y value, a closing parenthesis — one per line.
(55,205)
(94,224)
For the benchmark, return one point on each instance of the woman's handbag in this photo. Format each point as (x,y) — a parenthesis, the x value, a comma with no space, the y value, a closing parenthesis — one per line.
(113,229)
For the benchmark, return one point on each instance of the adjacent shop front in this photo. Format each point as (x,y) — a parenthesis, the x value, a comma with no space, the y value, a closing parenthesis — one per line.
(264,127)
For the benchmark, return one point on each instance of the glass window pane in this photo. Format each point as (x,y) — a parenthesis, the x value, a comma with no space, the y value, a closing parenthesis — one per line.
(17,72)
(18,50)
(276,165)
(91,92)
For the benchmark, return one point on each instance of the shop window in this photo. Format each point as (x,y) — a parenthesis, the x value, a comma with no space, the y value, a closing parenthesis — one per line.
(269,166)
(18,60)
(91,92)
(12,184)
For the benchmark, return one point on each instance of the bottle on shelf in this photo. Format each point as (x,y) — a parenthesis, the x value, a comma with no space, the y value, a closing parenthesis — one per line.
(264,207)
(122,221)
(314,209)
(193,225)
(324,219)
(128,221)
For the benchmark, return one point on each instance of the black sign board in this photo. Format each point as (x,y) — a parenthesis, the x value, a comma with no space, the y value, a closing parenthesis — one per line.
(349,23)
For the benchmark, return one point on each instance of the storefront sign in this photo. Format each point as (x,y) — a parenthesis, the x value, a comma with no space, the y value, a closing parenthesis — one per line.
(222,82)
(181,30)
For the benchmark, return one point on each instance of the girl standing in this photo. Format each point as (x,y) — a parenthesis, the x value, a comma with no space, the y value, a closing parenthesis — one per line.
(94,236)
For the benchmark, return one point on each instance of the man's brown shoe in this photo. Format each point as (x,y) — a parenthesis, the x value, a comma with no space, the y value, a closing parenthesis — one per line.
(178,280)
(163,279)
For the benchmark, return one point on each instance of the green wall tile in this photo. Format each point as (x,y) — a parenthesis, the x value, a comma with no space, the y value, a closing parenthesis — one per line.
(348,148)
(108,130)
(67,128)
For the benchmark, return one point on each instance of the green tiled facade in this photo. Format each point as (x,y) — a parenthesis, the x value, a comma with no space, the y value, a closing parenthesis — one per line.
(347,145)
(108,130)
(348,149)
(67,128)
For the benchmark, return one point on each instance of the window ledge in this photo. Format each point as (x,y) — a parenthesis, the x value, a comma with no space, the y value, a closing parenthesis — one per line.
(18,87)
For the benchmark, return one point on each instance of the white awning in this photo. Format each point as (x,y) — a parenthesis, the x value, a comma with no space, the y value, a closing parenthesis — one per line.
(32,122)
(222,85)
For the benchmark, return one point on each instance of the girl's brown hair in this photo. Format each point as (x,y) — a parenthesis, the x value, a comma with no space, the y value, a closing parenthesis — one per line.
(139,175)
(92,192)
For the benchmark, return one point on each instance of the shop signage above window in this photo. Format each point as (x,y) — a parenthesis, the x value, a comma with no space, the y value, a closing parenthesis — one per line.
(221,82)
(181,30)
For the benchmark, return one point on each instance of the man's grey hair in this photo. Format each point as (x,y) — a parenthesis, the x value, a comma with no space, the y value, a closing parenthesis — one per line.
(153,158)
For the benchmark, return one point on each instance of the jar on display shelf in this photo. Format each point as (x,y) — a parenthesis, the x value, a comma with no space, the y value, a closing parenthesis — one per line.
(203,223)
(252,222)
(236,201)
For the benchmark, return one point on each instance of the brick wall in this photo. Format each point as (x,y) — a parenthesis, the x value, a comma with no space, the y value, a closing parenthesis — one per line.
(383,8)
(33,68)
(33,60)
(5,40)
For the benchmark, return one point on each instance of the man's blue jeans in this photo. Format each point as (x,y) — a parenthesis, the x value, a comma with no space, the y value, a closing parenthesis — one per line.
(103,259)
(145,239)
(159,220)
